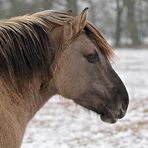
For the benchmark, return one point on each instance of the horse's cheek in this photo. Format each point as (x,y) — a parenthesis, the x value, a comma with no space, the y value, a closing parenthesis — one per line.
(65,81)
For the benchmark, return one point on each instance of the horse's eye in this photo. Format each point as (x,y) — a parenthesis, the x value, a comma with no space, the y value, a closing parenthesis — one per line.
(92,58)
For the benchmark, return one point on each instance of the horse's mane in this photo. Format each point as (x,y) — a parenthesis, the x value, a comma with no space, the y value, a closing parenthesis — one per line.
(25,46)
(25,49)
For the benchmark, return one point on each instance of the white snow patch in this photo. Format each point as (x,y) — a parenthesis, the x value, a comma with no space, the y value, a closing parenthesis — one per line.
(62,124)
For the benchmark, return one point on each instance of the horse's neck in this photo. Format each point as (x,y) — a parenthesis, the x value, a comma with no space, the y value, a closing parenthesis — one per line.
(24,107)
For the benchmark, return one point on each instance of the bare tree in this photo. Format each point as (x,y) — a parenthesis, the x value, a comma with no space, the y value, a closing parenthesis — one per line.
(1,9)
(47,4)
(93,14)
(131,21)
(17,7)
(72,4)
(119,9)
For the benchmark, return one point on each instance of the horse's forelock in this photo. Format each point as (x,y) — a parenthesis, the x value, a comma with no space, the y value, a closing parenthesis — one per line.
(100,40)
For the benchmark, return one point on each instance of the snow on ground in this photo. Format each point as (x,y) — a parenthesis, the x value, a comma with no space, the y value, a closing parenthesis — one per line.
(132,67)
(62,124)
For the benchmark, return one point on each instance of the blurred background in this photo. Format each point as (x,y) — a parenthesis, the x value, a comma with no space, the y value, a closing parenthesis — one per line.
(124,22)
(62,124)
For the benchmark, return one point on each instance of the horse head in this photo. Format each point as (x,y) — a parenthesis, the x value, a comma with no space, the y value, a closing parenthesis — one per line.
(84,73)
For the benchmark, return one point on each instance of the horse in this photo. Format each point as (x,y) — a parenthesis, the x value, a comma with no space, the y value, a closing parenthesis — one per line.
(54,52)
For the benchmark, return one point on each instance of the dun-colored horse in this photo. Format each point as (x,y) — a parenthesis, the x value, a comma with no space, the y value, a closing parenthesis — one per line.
(50,53)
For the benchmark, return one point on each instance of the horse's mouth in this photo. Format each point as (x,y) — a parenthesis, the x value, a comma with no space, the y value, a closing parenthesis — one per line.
(108,116)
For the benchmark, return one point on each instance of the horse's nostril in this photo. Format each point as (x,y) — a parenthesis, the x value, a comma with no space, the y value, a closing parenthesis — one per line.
(122,109)
(123,106)
(121,114)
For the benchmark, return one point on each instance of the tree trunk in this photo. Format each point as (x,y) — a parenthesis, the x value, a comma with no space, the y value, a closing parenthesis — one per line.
(118,23)
(47,4)
(132,24)
(93,14)
(72,4)
(1,10)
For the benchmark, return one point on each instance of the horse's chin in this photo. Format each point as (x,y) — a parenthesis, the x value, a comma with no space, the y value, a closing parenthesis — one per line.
(108,116)
(108,119)
(105,113)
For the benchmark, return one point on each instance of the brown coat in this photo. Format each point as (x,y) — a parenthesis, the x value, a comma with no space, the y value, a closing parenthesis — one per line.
(50,53)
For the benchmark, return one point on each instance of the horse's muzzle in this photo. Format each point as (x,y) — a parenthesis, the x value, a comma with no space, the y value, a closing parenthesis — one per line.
(112,113)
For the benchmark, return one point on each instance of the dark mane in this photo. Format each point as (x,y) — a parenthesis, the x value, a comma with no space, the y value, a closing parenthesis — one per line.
(25,46)
(25,50)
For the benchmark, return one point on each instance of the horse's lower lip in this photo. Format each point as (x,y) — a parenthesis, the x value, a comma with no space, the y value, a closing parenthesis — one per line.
(107,116)
(108,119)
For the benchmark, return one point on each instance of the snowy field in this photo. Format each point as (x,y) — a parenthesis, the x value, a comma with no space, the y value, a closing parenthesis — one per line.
(62,124)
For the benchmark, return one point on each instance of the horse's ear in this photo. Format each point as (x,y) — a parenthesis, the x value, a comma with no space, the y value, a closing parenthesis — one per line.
(83,18)
(80,21)
(76,25)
